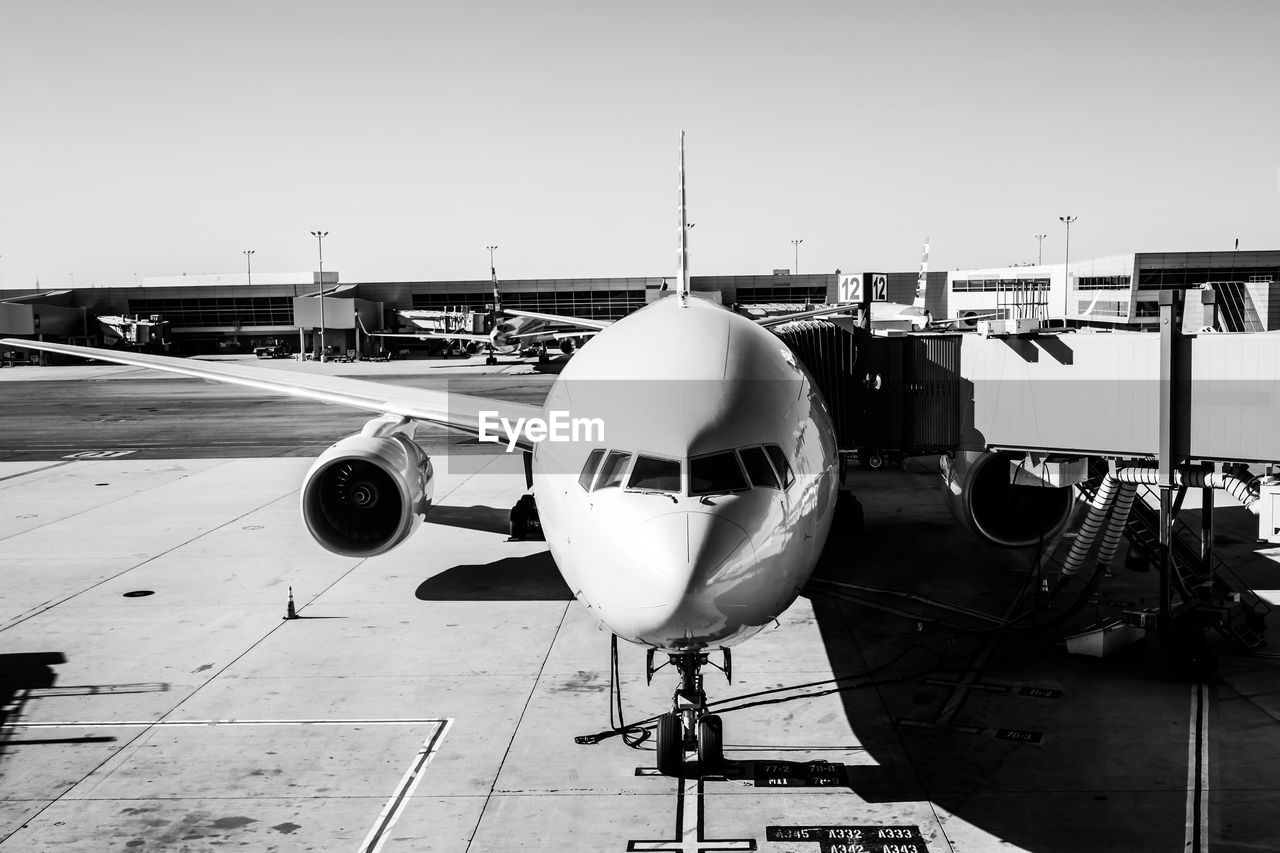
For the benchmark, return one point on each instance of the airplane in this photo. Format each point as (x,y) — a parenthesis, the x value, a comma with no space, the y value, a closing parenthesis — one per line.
(510,329)
(135,332)
(686,527)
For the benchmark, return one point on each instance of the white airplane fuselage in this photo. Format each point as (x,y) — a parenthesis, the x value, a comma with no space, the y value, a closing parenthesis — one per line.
(660,566)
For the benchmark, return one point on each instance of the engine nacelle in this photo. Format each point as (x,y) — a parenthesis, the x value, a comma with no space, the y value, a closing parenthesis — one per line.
(367,493)
(977,490)
(567,346)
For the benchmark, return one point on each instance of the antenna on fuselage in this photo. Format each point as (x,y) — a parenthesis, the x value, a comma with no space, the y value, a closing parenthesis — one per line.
(682,274)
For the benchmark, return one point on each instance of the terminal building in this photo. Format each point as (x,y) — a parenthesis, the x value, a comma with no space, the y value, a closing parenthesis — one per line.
(231,313)
(227,313)
(1122,290)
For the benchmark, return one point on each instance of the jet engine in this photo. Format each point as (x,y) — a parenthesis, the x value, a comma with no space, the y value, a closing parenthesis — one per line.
(369,491)
(567,346)
(978,491)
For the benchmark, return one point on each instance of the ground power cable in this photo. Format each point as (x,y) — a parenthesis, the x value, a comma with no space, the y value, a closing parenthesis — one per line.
(630,731)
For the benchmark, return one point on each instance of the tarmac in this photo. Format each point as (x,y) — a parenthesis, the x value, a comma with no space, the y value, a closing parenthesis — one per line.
(155,697)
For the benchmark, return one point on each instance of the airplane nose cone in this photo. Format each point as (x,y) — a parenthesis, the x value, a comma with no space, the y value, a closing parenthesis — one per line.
(680,559)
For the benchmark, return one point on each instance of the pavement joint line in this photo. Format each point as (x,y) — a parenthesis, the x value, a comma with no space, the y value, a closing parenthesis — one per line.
(516,728)
(47,606)
(440,499)
(386,721)
(99,506)
(37,470)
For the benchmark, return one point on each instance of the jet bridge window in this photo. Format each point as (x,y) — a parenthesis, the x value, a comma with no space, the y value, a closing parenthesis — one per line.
(653,474)
(716,473)
(589,470)
(613,470)
(758,468)
(779,460)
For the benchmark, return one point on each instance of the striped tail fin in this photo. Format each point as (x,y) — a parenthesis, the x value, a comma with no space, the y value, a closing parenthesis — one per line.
(682,260)
(922,280)
(497,294)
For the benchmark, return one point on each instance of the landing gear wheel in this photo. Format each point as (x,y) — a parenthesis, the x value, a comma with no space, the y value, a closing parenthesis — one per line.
(670,745)
(710,743)
(519,523)
(491,360)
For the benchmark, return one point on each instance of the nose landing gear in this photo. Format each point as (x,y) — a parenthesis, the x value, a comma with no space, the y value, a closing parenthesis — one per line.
(687,727)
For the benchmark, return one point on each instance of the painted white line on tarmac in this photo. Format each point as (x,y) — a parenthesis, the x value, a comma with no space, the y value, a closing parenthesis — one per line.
(1196,839)
(395,805)
(387,721)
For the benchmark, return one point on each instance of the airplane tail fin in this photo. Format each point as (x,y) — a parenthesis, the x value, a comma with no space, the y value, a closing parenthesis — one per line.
(922,281)
(497,294)
(682,273)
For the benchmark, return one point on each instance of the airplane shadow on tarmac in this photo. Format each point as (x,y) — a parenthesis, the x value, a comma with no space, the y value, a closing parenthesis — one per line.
(531,578)
(934,739)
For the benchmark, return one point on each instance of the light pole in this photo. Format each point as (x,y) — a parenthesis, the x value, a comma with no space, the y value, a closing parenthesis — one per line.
(796,245)
(320,235)
(1066,264)
(248,261)
(1040,248)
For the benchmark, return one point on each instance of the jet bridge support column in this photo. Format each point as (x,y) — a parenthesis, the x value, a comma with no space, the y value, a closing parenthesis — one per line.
(1165,450)
(1182,633)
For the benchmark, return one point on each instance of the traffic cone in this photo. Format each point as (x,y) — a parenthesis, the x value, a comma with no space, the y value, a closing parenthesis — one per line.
(290,613)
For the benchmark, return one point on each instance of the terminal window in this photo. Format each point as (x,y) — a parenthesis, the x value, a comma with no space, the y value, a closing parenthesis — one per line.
(764,295)
(218,311)
(589,304)
(1102,282)
(997,285)
(1184,277)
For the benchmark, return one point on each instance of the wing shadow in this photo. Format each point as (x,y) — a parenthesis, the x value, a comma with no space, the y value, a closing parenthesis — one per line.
(531,578)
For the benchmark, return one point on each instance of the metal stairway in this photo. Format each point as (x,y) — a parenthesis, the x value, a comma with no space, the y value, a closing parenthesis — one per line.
(1244,614)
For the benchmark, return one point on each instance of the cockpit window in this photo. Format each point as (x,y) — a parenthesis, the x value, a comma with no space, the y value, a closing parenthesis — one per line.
(779,460)
(589,470)
(715,473)
(613,470)
(758,468)
(653,474)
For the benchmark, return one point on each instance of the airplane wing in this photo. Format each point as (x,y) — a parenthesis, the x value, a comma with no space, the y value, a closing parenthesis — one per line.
(459,412)
(558,336)
(44,294)
(426,335)
(805,315)
(557,318)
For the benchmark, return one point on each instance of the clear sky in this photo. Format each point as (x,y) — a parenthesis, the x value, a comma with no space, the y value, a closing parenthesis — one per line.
(159,138)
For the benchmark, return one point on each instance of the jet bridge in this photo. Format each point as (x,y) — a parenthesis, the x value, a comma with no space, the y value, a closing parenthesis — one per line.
(1112,413)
